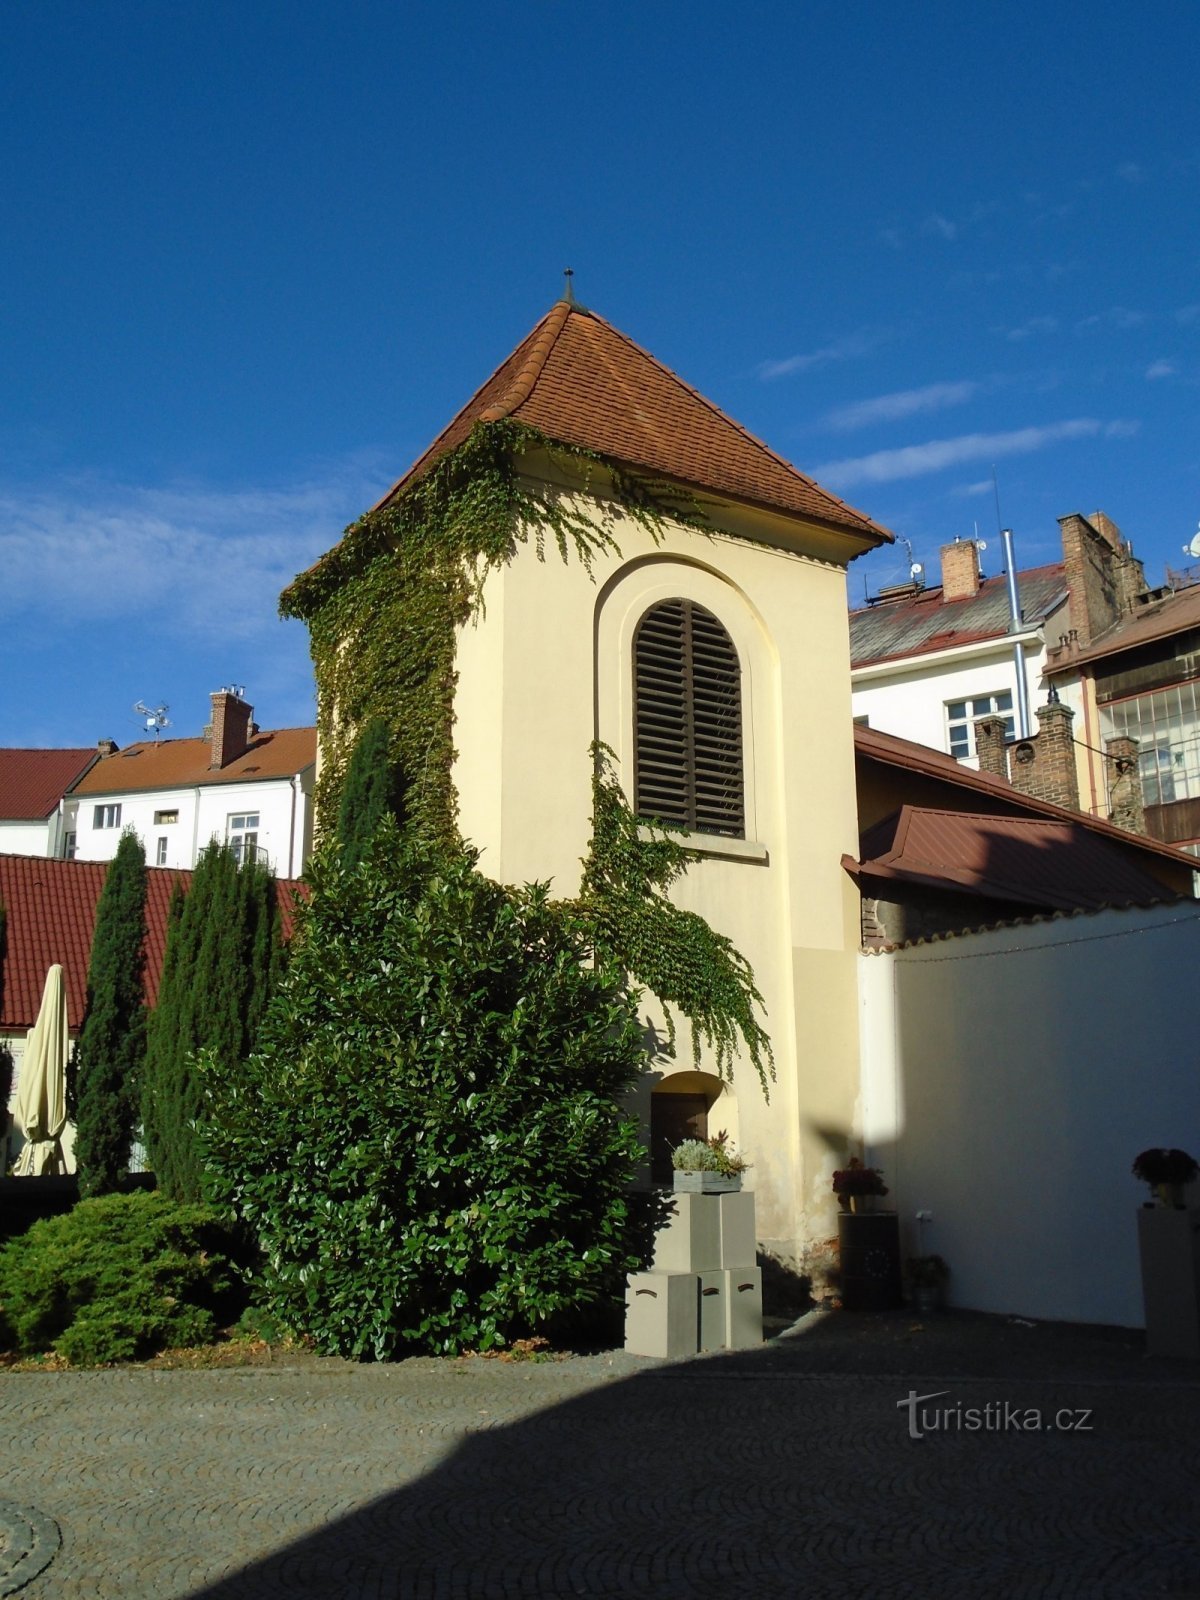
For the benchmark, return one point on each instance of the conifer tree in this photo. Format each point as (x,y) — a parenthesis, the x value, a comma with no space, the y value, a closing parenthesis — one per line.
(112,1041)
(222,959)
(6,1060)
(372,791)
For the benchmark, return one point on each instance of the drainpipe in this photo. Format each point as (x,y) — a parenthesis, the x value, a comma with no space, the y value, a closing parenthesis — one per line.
(1016,622)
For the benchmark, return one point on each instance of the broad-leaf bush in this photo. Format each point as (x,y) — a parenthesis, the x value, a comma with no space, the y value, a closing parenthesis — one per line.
(429,1145)
(118,1279)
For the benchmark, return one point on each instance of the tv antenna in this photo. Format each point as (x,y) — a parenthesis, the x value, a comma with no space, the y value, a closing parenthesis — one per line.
(156,717)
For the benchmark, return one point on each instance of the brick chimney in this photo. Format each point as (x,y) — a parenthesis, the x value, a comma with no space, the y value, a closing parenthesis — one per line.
(990,739)
(231,719)
(107,747)
(1044,766)
(1125,804)
(960,569)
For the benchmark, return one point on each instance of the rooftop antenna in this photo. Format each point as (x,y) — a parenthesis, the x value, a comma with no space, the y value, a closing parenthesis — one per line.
(156,718)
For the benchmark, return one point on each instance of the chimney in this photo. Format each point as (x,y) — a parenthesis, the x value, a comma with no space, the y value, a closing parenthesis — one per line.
(1044,766)
(107,747)
(231,718)
(990,740)
(960,569)
(1125,804)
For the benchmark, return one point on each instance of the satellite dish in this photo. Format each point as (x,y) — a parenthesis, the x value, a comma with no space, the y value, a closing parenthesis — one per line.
(917,570)
(981,545)
(1193,548)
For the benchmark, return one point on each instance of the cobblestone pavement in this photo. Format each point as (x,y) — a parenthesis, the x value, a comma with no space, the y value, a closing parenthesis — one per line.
(790,1470)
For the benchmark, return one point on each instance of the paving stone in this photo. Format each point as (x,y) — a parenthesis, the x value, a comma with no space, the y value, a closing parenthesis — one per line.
(782,1471)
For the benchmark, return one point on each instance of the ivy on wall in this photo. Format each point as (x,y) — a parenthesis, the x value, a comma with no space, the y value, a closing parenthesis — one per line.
(382,610)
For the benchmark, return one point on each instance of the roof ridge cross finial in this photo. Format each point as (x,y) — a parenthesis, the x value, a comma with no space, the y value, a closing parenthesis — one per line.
(568,292)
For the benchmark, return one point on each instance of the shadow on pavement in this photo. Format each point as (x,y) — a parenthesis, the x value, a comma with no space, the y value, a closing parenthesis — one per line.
(793,1470)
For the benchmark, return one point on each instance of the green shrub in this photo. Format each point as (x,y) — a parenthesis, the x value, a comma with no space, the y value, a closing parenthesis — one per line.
(428,1145)
(119,1278)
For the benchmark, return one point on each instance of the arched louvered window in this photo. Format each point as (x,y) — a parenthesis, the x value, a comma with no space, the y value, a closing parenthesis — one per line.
(688,721)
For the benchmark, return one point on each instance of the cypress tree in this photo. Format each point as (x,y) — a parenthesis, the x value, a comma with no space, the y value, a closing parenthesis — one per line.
(373,790)
(112,1042)
(221,961)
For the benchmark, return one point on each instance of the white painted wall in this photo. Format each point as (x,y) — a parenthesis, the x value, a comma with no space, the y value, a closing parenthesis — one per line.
(283,806)
(1009,1080)
(27,838)
(908,698)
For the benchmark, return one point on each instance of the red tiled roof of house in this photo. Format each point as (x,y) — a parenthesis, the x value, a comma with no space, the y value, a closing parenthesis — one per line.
(184,763)
(923,622)
(32,782)
(1157,619)
(873,745)
(51,914)
(578,379)
(1054,864)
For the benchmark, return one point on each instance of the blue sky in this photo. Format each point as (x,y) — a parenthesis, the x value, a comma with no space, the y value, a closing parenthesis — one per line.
(256,254)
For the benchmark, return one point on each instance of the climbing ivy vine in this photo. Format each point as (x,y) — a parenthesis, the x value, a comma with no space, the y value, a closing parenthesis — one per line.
(671,952)
(382,610)
(383,606)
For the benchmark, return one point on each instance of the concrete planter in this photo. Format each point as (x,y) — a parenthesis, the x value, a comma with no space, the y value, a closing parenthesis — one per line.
(706,1182)
(1169,1245)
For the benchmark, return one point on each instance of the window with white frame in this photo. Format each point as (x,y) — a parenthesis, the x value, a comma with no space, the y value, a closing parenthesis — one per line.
(163,818)
(1166,725)
(242,833)
(961,716)
(160,851)
(106,816)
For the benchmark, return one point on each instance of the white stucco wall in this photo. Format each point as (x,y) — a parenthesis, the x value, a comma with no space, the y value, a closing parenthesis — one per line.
(28,838)
(283,806)
(908,698)
(1009,1080)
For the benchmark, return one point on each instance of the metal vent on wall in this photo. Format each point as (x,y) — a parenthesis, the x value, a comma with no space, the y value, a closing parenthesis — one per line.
(688,720)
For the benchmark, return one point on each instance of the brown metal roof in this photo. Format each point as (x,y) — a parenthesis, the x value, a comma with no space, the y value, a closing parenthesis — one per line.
(1159,619)
(51,913)
(183,763)
(32,782)
(870,744)
(923,622)
(578,379)
(1057,865)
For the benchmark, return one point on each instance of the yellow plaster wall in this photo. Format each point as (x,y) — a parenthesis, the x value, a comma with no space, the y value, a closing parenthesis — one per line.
(547,667)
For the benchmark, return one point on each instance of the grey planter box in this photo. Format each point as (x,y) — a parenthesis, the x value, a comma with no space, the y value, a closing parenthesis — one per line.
(1169,1244)
(706,1183)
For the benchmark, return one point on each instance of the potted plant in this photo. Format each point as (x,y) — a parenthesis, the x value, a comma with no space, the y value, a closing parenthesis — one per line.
(855,1182)
(927,1282)
(1167,1172)
(868,1241)
(707,1166)
(1169,1246)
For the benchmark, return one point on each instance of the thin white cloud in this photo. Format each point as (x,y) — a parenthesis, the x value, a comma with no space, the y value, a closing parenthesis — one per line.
(1130,172)
(1162,368)
(1122,428)
(188,559)
(854,345)
(1187,315)
(1027,329)
(940,227)
(1115,317)
(903,403)
(972,490)
(917,460)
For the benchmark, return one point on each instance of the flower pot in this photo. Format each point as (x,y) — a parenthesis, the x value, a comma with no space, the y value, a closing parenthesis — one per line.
(706,1182)
(869,1245)
(927,1298)
(1169,1246)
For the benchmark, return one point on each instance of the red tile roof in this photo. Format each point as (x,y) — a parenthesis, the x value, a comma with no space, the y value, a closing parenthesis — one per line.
(888,749)
(1158,619)
(51,913)
(578,379)
(32,782)
(1056,865)
(183,763)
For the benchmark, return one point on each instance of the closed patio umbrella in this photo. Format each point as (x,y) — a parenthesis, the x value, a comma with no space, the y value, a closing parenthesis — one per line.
(41,1107)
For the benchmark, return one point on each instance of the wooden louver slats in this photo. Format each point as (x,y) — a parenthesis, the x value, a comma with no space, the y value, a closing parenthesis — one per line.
(688,720)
